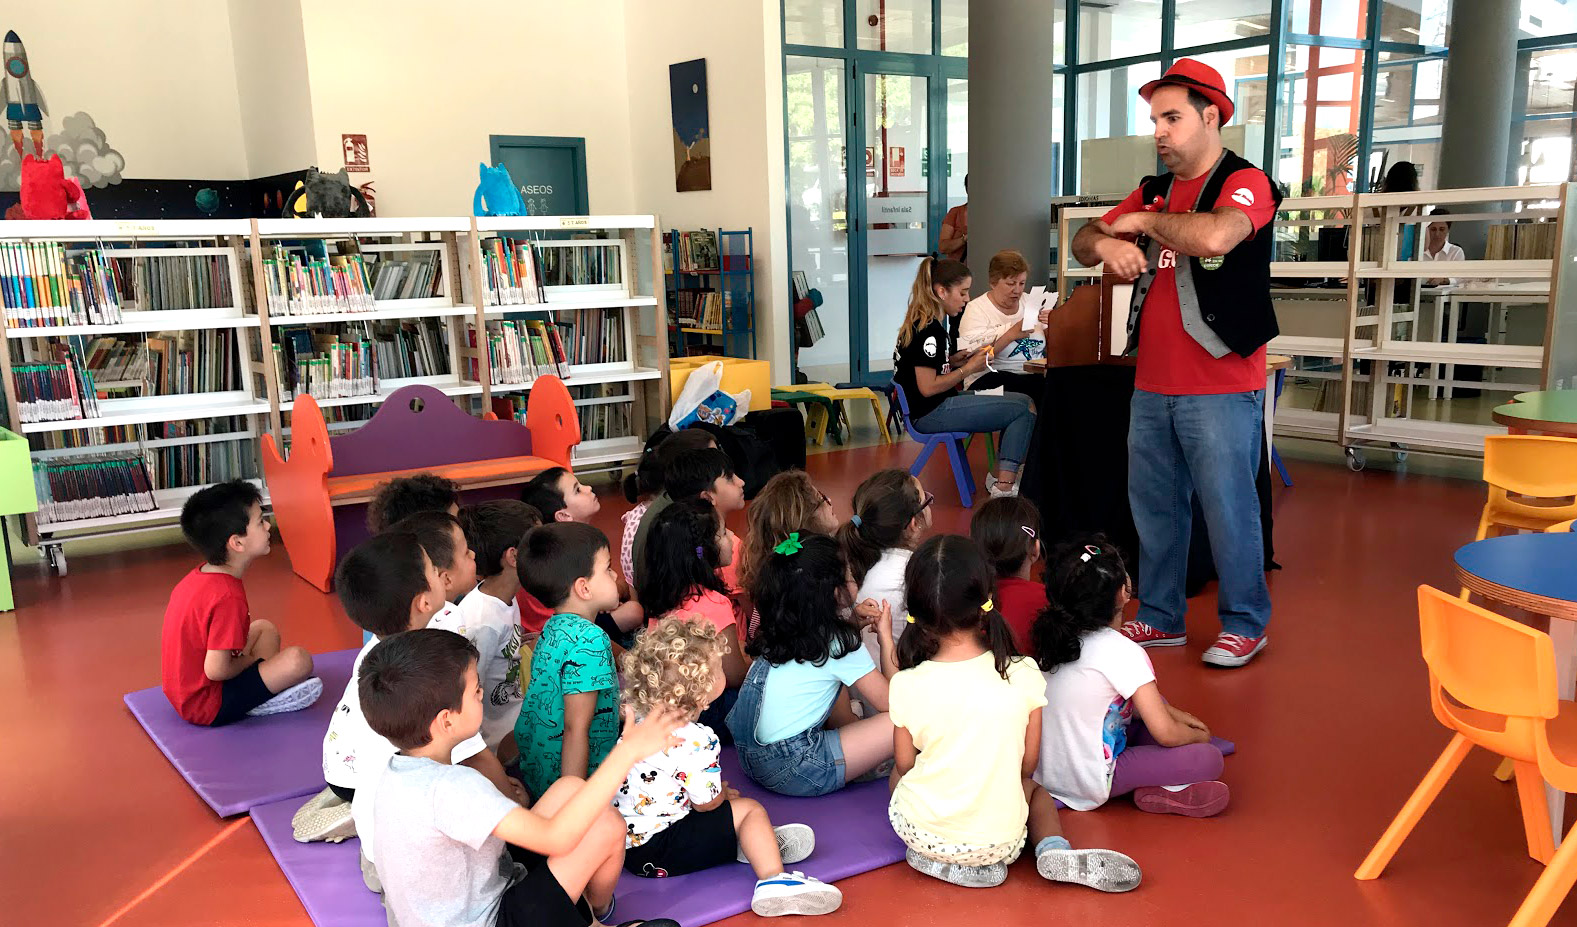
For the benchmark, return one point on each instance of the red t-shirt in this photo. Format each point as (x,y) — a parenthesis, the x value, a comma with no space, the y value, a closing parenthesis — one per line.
(1170,360)
(532,615)
(1020,601)
(207,611)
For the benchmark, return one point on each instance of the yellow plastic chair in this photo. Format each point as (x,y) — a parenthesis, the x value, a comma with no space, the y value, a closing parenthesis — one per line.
(1504,770)
(1492,683)
(1532,482)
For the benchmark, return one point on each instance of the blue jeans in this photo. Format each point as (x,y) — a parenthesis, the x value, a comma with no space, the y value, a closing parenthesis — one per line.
(1009,413)
(1180,445)
(805,765)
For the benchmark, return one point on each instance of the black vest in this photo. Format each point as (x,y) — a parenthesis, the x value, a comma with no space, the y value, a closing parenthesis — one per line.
(1235,296)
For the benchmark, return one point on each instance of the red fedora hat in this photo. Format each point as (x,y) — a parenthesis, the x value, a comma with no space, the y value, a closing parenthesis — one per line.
(1195,75)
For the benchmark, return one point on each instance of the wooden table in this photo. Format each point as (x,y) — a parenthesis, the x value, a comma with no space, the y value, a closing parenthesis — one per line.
(1274,363)
(1536,573)
(1551,412)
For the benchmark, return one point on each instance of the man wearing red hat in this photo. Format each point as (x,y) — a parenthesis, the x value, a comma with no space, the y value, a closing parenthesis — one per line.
(1196,242)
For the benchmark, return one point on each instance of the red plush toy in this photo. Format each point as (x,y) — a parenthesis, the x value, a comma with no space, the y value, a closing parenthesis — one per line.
(47,194)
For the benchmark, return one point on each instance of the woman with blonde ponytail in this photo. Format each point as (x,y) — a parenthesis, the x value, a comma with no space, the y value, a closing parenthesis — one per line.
(931,376)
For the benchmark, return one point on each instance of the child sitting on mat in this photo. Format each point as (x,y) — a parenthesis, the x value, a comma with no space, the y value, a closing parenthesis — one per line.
(891,514)
(451,850)
(1095,678)
(686,548)
(569,718)
(444,541)
(388,585)
(559,496)
(679,814)
(704,473)
(966,722)
(403,496)
(789,502)
(643,487)
(217,664)
(488,617)
(793,726)
(1007,531)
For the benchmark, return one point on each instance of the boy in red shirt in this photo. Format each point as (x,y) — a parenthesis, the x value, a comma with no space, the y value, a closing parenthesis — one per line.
(217,664)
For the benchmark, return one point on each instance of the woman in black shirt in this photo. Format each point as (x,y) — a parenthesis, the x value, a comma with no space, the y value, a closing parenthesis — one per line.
(931,375)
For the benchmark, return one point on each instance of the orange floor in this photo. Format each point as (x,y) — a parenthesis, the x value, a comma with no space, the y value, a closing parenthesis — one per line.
(1332,724)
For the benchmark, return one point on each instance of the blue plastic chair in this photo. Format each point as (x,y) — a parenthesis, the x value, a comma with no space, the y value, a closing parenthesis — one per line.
(954,441)
(1275,455)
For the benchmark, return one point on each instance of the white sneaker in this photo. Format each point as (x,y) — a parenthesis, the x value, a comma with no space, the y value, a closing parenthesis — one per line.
(795,843)
(794,893)
(996,491)
(299,696)
(324,818)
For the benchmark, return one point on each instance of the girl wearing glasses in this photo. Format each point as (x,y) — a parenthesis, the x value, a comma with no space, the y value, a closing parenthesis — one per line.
(892,514)
(1093,748)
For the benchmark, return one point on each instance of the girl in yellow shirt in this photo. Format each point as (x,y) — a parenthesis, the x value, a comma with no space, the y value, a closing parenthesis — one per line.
(966,713)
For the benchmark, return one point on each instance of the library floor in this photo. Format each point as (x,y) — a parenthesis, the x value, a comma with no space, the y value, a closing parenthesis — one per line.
(1332,724)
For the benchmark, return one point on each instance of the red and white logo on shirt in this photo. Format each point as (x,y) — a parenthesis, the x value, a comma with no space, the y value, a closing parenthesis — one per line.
(1168,259)
(1243,196)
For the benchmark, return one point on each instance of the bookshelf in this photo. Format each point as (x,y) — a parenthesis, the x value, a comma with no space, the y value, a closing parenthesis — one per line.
(711,283)
(1377,359)
(122,367)
(207,329)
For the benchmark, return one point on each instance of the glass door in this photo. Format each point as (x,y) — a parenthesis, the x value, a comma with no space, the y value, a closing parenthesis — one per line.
(818,155)
(899,228)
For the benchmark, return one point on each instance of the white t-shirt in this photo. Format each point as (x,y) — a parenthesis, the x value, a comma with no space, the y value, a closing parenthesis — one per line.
(441,863)
(662,788)
(797,694)
(1448,252)
(1085,724)
(983,323)
(494,627)
(884,583)
(354,755)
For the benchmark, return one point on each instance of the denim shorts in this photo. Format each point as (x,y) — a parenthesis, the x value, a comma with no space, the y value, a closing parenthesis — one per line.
(804,766)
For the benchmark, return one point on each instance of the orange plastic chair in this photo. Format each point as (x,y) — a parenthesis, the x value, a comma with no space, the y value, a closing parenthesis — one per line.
(1561,526)
(1492,682)
(1518,467)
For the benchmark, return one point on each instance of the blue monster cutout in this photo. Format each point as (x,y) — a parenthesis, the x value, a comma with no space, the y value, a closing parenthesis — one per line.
(496,194)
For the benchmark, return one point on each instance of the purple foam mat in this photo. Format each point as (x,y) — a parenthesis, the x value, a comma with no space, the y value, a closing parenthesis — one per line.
(326,876)
(852,836)
(251,762)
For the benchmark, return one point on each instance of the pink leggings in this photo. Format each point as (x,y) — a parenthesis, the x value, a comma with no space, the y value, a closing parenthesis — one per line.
(1147,763)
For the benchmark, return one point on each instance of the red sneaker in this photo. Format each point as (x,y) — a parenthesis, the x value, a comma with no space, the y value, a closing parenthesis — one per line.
(1146,636)
(1234,649)
(1200,800)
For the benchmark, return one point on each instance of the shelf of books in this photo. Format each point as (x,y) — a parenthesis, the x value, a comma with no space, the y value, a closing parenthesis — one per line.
(1393,350)
(123,366)
(581,298)
(710,278)
(143,359)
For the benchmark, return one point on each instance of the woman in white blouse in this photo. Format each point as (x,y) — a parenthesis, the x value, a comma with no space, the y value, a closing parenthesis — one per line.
(996,318)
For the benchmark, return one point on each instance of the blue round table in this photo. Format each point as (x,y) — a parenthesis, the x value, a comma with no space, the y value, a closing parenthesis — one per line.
(1534,572)
(1537,573)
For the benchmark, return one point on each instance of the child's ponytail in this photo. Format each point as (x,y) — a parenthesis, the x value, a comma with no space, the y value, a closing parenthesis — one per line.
(884,505)
(1083,578)
(949,587)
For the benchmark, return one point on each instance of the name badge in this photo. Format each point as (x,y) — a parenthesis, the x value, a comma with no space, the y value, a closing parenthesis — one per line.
(1211,263)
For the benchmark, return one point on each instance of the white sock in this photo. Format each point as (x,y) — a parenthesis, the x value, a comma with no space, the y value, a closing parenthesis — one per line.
(1176,788)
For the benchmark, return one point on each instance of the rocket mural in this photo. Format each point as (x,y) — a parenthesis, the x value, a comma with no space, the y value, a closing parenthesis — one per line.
(24,102)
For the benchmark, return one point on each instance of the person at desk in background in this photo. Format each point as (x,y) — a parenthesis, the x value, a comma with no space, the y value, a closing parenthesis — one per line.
(1438,248)
(996,318)
(1197,242)
(931,376)
(954,242)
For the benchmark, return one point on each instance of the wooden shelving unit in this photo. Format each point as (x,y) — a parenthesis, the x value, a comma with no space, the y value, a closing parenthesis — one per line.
(1370,341)
(261,404)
